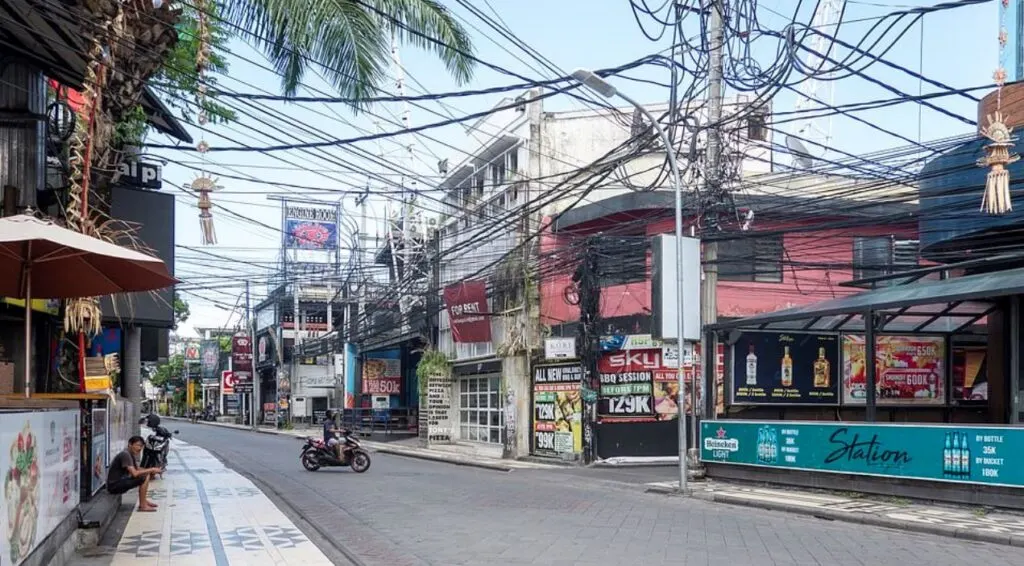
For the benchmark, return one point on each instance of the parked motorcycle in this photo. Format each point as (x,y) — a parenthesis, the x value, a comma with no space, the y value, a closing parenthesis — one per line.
(158,444)
(317,454)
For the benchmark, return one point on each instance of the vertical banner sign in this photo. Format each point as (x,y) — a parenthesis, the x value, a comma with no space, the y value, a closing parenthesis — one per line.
(192,352)
(241,363)
(209,352)
(310,227)
(785,369)
(468,313)
(557,410)
(910,370)
(382,376)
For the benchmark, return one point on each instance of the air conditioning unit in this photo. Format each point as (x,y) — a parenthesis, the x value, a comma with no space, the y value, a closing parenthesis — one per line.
(442,166)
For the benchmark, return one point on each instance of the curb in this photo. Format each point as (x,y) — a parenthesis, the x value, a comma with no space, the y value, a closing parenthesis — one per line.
(870,519)
(375,446)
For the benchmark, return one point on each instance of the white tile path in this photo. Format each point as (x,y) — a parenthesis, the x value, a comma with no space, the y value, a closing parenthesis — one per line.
(210,515)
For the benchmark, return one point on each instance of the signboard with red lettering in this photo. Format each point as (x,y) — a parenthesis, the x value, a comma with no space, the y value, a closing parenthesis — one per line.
(636,386)
(241,363)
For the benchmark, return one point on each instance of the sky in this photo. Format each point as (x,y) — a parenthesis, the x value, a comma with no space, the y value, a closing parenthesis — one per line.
(958,48)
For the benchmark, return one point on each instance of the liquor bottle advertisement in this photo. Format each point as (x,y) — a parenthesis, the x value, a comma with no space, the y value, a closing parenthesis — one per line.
(785,369)
(941,453)
(910,370)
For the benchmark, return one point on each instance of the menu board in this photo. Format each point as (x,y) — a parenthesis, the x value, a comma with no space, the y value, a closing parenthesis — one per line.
(785,369)
(909,370)
(557,409)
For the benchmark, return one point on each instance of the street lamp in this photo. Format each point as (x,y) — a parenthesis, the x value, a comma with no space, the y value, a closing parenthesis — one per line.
(605,89)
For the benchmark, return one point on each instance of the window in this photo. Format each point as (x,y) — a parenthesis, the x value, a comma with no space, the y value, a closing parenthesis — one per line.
(621,259)
(756,129)
(480,409)
(875,256)
(498,172)
(512,161)
(753,259)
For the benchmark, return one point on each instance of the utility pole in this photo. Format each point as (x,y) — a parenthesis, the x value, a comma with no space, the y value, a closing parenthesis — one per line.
(709,300)
(254,394)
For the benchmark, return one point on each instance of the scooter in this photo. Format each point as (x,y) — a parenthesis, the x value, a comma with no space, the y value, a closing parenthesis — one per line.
(158,444)
(317,454)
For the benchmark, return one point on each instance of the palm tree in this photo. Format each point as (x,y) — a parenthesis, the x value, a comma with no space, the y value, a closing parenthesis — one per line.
(349,41)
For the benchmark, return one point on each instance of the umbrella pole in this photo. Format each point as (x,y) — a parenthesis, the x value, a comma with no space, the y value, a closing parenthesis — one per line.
(28,331)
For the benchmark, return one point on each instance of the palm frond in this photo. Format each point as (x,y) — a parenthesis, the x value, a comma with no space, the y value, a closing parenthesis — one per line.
(348,41)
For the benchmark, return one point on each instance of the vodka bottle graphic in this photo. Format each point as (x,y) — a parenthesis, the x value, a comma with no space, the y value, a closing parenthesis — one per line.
(751,367)
(947,456)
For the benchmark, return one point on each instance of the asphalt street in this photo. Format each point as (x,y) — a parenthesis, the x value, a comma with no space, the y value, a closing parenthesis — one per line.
(414,512)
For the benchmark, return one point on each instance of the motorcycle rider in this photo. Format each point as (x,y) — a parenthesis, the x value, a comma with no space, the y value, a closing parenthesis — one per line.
(331,432)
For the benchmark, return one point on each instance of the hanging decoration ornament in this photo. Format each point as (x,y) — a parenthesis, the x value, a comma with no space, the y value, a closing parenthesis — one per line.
(204,184)
(997,198)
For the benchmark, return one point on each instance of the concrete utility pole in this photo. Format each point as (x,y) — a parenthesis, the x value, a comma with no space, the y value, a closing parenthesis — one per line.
(255,377)
(709,300)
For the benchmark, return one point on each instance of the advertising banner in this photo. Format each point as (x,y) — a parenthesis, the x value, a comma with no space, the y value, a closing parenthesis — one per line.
(970,374)
(439,409)
(468,313)
(928,452)
(264,350)
(910,370)
(209,363)
(785,369)
(382,376)
(557,409)
(241,363)
(100,449)
(637,387)
(310,227)
(40,455)
(227,383)
(192,352)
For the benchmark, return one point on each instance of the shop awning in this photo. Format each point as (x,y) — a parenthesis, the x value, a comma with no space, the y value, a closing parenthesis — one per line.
(948,306)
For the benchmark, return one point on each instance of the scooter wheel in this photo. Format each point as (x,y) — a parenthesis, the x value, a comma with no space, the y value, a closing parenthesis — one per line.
(309,462)
(360,462)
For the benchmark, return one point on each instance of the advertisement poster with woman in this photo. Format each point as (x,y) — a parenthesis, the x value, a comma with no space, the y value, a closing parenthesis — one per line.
(39,456)
(910,370)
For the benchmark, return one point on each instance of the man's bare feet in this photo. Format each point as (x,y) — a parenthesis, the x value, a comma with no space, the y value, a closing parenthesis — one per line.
(147,509)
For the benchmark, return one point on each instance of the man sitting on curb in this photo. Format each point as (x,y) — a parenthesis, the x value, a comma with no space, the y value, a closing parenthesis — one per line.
(125,475)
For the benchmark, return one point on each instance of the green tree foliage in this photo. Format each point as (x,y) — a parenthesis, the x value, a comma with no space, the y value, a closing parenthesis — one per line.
(348,41)
(170,371)
(181,310)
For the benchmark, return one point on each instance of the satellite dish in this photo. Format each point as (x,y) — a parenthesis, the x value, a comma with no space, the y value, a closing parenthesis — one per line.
(802,158)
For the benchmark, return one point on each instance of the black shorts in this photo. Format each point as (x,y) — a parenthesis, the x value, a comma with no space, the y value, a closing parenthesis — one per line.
(124,485)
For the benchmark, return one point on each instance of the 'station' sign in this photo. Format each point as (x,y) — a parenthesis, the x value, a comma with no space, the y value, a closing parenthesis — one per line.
(939,453)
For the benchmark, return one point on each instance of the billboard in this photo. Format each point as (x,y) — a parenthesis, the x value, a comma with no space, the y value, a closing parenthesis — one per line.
(789,368)
(909,370)
(310,227)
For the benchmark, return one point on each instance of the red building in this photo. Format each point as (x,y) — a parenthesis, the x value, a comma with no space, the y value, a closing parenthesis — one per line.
(798,250)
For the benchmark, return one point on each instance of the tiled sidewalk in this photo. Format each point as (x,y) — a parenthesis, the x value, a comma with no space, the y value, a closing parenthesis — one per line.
(956,521)
(213,516)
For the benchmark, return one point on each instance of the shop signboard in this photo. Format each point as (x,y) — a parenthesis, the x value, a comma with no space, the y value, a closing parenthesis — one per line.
(940,453)
(40,455)
(637,387)
(209,363)
(910,370)
(439,409)
(382,376)
(310,227)
(557,409)
(790,368)
(241,363)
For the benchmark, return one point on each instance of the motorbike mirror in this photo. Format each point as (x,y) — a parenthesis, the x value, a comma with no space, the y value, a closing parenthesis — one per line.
(175,432)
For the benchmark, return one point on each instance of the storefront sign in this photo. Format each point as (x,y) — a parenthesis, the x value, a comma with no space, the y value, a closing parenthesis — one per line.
(942,453)
(40,455)
(557,409)
(439,409)
(192,352)
(139,174)
(382,376)
(227,382)
(241,363)
(637,387)
(785,369)
(910,370)
(468,313)
(559,348)
(310,228)
(264,350)
(209,352)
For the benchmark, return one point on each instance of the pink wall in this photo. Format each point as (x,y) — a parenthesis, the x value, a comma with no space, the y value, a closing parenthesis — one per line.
(807,276)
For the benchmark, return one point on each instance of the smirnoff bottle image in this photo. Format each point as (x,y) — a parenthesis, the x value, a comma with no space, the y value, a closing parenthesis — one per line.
(787,368)
(822,370)
(751,367)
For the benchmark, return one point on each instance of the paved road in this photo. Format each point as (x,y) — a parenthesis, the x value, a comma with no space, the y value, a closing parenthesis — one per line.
(413,512)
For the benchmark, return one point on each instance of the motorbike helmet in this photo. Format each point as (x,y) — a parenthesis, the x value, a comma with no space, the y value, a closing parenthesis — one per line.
(151,420)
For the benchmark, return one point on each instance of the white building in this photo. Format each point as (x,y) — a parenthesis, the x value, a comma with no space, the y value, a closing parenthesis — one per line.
(522,155)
